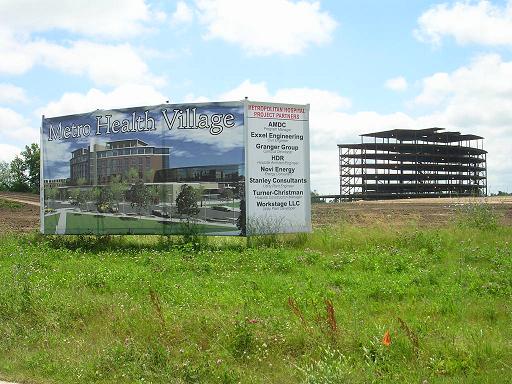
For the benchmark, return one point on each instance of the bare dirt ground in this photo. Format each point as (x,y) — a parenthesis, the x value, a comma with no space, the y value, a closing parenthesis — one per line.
(22,219)
(419,212)
(429,212)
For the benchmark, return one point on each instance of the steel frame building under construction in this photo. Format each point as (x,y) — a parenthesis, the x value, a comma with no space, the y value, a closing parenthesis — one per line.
(403,163)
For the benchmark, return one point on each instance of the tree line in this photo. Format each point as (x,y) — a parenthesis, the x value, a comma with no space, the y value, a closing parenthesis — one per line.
(22,173)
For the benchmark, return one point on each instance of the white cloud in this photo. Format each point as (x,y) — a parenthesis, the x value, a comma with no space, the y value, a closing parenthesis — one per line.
(103,63)
(182,15)
(12,94)
(120,97)
(266,27)
(102,18)
(484,83)
(17,57)
(16,127)
(398,84)
(435,89)
(8,152)
(467,22)
(475,99)
(319,99)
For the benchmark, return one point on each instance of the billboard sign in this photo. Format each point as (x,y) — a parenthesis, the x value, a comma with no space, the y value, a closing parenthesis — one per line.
(278,188)
(223,168)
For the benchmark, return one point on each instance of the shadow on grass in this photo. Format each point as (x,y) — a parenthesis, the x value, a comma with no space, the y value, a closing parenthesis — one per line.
(136,243)
(190,242)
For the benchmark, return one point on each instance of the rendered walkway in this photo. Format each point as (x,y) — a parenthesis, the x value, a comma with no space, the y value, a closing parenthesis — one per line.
(61,225)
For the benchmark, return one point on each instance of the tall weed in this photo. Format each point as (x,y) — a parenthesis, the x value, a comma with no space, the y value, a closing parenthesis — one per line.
(479,216)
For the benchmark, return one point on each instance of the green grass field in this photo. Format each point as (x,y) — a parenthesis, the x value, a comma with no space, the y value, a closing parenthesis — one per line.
(77,223)
(294,309)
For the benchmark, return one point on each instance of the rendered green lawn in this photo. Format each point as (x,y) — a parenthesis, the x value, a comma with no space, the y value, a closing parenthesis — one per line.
(50,223)
(150,309)
(85,224)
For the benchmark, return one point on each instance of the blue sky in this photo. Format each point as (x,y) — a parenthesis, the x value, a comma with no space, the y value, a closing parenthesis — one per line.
(362,65)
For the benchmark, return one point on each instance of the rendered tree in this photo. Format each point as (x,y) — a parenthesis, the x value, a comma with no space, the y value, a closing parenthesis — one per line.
(81,181)
(163,197)
(186,202)
(118,189)
(83,196)
(103,197)
(154,194)
(200,193)
(132,176)
(227,194)
(140,196)
(73,194)
(50,194)
(148,176)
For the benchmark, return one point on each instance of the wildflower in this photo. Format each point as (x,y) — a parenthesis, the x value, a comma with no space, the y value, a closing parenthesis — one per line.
(386,340)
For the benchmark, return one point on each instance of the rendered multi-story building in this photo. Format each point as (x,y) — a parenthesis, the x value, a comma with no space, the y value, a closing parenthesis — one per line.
(225,174)
(54,183)
(98,164)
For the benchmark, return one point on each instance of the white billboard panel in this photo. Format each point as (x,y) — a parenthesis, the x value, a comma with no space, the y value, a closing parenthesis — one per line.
(277,175)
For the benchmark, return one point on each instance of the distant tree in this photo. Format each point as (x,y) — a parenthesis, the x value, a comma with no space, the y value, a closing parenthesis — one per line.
(140,196)
(18,175)
(5,176)
(31,159)
(186,202)
(22,173)
(315,197)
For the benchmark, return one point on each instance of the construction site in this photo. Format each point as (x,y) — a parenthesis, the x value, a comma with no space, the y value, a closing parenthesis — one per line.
(411,163)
